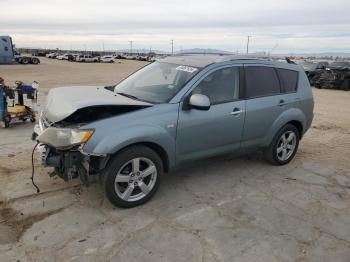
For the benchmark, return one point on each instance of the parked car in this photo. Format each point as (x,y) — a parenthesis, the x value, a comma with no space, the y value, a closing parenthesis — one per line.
(131,57)
(107,59)
(52,55)
(340,65)
(63,57)
(142,58)
(73,57)
(322,65)
(87,58)
(312,68)
(172,111)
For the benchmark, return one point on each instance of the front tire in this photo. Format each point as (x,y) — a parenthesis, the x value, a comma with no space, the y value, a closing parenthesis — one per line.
(133,176)
(284,145)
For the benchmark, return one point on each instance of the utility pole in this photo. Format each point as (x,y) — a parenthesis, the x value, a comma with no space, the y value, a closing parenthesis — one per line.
(248,37)
(130,47)
(172,46)
(103,47)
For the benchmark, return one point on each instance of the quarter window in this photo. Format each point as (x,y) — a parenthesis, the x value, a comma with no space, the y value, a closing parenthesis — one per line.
(220,86)
(261,81)
(289,80)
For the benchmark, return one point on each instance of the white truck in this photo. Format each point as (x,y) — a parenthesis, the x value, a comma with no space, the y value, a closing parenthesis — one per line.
(87,58)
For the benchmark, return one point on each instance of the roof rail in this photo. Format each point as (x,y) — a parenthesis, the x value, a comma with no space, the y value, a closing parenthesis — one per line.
(262,57)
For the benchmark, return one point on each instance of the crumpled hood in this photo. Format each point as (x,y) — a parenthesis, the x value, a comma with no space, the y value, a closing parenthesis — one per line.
(63,101)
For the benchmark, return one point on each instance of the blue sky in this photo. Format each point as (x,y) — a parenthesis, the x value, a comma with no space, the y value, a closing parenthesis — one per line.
(296,26)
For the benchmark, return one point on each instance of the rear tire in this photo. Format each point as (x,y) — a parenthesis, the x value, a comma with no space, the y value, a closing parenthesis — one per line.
(132,176)
(35,61)
(24,61)
(283,146)
(346,85)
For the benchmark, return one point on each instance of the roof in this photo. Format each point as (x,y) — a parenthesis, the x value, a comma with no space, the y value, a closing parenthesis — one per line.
(193,60)
(201,60)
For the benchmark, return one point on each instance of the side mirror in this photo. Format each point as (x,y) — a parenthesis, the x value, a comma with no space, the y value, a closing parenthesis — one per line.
(200,102)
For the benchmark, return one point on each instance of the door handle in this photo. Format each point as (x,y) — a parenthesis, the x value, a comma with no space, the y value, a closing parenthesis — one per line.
(282,102)
(236,111)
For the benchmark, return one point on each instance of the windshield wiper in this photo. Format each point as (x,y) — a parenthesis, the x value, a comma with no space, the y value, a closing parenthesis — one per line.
(130,96)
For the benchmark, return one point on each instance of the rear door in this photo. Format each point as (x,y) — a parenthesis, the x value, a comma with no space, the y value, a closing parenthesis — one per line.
(264,103)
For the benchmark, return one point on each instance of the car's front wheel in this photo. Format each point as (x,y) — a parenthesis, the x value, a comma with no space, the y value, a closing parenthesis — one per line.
(284,145)
(132,176)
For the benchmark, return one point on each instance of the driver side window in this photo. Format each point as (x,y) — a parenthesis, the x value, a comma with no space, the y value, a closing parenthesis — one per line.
(220,86)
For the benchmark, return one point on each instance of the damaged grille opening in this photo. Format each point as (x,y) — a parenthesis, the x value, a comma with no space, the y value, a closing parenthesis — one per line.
(93,113)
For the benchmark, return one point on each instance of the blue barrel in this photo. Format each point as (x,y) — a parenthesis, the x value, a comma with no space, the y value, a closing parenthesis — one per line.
(2,104)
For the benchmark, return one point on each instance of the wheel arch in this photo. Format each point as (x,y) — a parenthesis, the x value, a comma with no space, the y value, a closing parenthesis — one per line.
(298,125)
(162,153)
(292,116)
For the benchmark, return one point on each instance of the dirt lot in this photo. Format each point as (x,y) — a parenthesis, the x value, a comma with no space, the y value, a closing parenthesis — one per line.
(240,209)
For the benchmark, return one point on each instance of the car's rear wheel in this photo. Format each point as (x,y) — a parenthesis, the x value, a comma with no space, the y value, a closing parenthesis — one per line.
(284,145)
(133,176)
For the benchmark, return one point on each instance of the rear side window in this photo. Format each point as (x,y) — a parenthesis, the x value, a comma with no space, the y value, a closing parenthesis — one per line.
(261,81)
(289,80)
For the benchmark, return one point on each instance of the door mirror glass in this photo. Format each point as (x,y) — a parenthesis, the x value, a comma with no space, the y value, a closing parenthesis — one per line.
(200,102)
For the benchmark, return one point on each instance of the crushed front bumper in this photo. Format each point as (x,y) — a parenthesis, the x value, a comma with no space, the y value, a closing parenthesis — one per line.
(67,164)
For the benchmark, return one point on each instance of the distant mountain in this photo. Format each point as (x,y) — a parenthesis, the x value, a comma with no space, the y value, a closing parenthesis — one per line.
(142,51)
(203,51)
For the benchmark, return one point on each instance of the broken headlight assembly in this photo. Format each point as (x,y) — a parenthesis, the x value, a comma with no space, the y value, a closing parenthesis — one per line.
(64,137)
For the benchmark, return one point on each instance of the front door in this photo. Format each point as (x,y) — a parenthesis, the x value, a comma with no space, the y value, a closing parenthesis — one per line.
(219,129)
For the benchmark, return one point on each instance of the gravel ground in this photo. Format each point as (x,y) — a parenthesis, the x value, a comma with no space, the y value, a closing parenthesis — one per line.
(227,209)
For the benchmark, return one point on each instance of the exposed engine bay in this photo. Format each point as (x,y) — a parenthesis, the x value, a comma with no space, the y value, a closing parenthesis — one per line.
(93,113)
(61,134)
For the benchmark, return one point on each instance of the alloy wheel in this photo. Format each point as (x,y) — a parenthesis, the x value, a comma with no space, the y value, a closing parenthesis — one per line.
(286,145)
(135,179)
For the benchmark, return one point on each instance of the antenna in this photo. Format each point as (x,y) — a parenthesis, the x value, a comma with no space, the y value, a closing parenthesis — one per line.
(273,48)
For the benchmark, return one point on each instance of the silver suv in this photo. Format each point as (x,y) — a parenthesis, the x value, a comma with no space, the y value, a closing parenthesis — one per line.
(172,111)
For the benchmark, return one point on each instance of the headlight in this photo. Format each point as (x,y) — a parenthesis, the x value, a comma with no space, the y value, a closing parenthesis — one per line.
(64,137)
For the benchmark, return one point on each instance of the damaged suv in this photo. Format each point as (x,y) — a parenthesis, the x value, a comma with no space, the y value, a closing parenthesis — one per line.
(172,111)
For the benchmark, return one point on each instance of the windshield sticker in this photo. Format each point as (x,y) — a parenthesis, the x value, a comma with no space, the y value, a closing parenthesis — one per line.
(186,69)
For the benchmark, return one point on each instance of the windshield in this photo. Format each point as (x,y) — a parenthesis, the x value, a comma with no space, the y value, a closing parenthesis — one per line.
(157,82)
